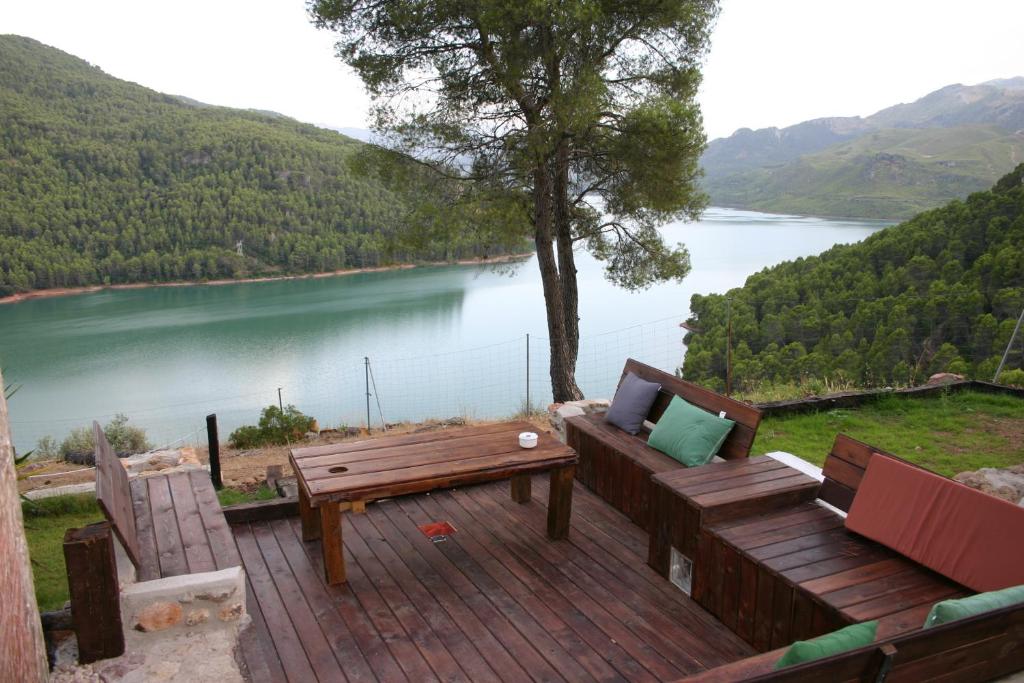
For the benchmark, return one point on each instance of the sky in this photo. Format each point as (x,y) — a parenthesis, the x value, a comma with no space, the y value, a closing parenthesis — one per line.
(771,63)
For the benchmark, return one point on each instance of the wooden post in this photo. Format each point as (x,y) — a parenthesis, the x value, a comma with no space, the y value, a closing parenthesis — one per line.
(330,539)
(560,502)
(308,516)
(521,488)
(214,441)
(22,651)
(95,598)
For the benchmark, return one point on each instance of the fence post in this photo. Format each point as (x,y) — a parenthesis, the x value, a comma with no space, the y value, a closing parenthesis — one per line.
(529,407)
(366,361)
(95,596)
(214,441)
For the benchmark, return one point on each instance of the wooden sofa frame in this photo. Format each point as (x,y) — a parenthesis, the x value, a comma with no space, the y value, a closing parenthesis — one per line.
(618,466)
(979,648)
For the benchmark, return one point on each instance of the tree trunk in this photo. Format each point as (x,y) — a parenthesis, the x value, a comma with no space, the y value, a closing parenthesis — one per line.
(563,346)
(566,257)
(22,653)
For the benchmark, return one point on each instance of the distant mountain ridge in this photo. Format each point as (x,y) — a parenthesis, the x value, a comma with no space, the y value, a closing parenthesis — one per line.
(828,165)
(103,181)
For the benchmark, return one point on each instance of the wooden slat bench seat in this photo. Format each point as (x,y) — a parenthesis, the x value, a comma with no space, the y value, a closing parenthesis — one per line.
(618,466)
(796,573)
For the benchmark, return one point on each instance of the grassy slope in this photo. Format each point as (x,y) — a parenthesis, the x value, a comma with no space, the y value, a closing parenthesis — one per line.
(954,433)
(46,521)
(887,174)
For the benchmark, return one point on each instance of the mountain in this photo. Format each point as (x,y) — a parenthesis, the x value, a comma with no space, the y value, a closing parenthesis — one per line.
(938,293)
(105,181)
(892,164)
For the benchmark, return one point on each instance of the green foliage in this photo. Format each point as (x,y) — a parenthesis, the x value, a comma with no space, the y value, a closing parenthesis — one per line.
(104,181)
(276,427)
(1014,378)
(46,520)
(230,496)
(938,293)
(956,432)
(123,438)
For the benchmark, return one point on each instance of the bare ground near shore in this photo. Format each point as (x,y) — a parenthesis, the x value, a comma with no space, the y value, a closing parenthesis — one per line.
(244,469)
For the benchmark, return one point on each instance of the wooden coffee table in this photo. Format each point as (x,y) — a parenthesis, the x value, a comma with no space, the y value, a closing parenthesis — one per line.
(348,475)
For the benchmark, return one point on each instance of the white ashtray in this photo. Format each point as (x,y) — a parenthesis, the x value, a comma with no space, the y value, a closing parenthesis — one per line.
(528,440)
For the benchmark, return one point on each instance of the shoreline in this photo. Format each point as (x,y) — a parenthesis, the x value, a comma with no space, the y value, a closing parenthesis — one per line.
(90,289)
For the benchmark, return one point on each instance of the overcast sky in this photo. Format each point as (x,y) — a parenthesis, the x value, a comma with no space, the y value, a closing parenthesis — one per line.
(772,63)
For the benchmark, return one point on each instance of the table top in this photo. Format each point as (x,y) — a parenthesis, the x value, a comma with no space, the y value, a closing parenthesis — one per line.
(410,463)
(723,483)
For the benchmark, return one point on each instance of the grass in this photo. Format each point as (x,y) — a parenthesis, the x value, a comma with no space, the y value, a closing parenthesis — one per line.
(229,496)
(953,433)
(46,520)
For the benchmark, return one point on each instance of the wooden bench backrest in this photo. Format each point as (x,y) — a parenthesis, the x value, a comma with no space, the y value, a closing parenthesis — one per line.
(844,469)
(979,648)
(113,493)
(746,417)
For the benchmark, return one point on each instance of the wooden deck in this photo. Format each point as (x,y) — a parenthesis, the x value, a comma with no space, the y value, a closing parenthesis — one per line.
(498,601)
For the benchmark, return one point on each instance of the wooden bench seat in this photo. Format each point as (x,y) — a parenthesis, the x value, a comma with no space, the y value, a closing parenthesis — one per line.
(180,526)
(618,466)
(796,573)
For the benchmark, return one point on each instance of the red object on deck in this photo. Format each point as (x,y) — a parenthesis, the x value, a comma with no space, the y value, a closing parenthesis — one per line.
(437,530)
(959,532)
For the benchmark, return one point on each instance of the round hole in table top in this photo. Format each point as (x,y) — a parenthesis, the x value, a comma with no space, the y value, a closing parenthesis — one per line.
(338,470)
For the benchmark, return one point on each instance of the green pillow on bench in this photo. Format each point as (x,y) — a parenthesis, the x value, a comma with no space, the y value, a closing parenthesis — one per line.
(837,642)
(689,434)
(951,610)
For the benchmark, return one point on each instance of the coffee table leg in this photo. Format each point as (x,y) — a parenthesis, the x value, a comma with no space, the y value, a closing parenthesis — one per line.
(560,502)
(330,539)
(521,488)
(309,516)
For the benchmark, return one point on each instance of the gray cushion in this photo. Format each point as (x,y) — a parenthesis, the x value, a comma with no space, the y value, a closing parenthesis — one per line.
(632,402)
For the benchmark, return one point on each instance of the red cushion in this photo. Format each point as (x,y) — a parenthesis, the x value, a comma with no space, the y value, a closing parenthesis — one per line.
(969,536)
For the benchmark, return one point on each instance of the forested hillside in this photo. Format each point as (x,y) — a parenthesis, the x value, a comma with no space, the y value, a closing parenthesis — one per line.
(940,292)
(104,181)
(892,164)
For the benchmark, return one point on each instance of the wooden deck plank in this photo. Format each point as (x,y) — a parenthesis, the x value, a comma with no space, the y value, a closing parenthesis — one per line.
(639,608)
(588,618)
(334,604)
(290,653)
(319,652)
(498,601)
(149,556)
(257,650)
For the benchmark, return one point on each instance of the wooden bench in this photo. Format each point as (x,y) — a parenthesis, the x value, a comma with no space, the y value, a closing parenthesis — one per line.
(796,573)
(618,466)
(168,525)
(979,648)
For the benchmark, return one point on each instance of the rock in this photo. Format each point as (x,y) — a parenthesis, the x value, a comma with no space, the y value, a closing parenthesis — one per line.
(159,616)
(944,378)
(196,617)
(230,612)
(558,413)
(287,487)
(1007,484)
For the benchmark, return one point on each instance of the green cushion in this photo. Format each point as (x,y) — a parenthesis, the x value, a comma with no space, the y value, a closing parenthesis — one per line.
(689,434)
(951,610)
(843,640)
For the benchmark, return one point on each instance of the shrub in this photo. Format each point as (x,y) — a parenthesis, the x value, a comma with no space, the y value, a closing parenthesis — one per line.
(123,438)
(1012,377)
(276,427)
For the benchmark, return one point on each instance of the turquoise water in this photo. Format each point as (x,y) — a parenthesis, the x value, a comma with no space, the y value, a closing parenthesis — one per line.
(442,341)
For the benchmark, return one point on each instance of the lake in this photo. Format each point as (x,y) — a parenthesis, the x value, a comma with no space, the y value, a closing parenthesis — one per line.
(441,341)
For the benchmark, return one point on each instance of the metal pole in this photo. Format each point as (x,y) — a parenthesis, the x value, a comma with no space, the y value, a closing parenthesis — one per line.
(528,406)
(366,359)
(280,403)
(214,442)
(1007,352)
